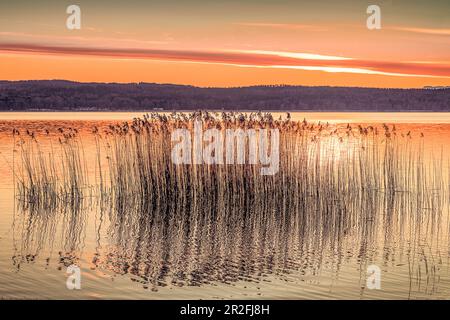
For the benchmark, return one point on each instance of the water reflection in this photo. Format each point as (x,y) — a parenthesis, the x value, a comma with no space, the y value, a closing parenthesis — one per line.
(42,231)
(247,238)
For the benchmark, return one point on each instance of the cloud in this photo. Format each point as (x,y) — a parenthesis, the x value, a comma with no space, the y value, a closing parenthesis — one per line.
(308,27)
(252,58)
(441,32)
(22,37)
(296,55)
(286,26)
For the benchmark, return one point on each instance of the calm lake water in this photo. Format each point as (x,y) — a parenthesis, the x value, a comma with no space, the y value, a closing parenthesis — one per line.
(258,252)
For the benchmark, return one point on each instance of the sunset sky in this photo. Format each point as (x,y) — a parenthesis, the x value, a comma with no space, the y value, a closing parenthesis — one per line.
(228,43)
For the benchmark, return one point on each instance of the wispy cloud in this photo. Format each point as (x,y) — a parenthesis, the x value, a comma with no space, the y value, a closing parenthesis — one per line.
(22,37)
(296,55)
(255,58)
(441,32)
(286,26)
(310,27)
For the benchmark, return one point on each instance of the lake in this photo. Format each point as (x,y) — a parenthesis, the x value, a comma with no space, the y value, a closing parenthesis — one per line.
(222,244)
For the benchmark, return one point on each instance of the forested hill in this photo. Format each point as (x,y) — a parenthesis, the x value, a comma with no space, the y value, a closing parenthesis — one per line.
(72,96)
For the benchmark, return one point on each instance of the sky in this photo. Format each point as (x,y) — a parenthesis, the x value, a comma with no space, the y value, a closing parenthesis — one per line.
(228,43)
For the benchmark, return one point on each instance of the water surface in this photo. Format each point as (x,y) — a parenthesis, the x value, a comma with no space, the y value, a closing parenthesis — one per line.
(267,250)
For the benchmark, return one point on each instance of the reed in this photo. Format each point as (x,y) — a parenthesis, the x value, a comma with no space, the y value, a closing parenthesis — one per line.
(317,161)
(49,174)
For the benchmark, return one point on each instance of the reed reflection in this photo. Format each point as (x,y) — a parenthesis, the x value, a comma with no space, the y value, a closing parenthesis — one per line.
(55,232)
(180,243)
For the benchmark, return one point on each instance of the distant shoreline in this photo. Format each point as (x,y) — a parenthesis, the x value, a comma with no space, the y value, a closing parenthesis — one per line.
(215,110)
(65,96)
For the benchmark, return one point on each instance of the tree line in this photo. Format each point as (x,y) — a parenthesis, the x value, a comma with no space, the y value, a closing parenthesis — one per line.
(58,95)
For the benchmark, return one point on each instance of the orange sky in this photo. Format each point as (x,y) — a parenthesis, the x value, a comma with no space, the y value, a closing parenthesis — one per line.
(228,43)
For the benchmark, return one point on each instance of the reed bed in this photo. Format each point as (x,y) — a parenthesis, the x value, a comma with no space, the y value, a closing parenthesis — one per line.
(52,173)
(134,165)
(316,161)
